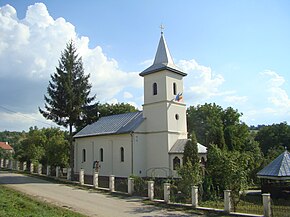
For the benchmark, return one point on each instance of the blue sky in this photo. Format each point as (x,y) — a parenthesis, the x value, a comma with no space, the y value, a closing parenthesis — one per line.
(236,53)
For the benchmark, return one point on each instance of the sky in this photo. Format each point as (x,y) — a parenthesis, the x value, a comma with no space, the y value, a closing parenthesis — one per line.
(236,53)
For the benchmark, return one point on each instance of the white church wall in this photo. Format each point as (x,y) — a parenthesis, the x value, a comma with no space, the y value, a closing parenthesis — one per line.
(111,145)
(149,80)
(119,168)
(80,162)
(140,155)
(155,117)
(157,155)
(176,116)
(170,79)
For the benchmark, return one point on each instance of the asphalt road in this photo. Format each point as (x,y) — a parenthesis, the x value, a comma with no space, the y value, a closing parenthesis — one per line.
(88,202)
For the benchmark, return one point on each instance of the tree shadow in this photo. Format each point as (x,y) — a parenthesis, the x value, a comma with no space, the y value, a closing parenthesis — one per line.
(13,178)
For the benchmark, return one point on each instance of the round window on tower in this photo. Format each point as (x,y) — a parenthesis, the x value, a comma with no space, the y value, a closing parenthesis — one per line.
(177,116)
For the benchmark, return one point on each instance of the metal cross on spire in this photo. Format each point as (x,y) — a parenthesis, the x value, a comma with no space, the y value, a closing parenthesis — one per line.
(161,28)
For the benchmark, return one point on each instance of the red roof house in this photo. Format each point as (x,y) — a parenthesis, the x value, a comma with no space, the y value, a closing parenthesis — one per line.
(5,146)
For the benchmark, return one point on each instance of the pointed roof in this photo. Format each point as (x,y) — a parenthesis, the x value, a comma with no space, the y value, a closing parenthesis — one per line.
(278,168)
(113,124)
(5,146)
(163,60)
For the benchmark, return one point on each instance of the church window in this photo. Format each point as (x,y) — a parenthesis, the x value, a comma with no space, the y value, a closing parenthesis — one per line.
(122,154)
(101,155)
(176,163)
(177,116)
(84,155)
(202,161)
(155,89)
(174,89)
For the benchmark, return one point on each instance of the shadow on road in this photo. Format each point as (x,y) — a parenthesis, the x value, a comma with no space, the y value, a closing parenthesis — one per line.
(147,209)
(11,178)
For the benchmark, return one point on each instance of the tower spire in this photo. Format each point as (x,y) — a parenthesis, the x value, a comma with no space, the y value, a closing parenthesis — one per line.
(163,59)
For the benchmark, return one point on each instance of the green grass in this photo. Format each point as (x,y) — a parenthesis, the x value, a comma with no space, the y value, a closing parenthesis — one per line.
(16,204)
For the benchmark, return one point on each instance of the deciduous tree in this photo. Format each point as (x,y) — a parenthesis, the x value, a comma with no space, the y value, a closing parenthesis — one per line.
(274,137)
(215,125)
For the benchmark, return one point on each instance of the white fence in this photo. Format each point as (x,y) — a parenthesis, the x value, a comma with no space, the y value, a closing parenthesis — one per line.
(15,165)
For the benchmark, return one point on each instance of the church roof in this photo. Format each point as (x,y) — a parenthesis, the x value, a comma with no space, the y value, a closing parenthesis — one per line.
(278,168)
(163,60)
(113,124)
(178,147)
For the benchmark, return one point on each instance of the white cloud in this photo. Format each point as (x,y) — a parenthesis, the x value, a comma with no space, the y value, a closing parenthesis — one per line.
(236,99)
(23,120)
(113,101)
(278,96)
(274,102)
(147,63)
(29,52)
(201,83)
(127,95)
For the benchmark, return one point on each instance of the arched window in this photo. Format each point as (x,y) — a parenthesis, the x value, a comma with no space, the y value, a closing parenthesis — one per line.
(84,155)
(122,154)
(155,89)
(101,155)
(174,89)
(202,161)
(176,163)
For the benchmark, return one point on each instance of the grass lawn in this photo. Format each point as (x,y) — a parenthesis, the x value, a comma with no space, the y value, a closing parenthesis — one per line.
(13,203)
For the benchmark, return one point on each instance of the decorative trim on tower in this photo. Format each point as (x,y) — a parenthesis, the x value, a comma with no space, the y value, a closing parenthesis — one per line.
(163,60)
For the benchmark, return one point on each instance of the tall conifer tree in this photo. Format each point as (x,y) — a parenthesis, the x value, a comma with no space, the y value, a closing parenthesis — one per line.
(68,93)
(191,151)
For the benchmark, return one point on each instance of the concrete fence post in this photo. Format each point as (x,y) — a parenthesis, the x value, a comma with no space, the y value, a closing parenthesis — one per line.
(57,170)
(267,204)
(1,163)
(81,177)
(151,190)
(6,163)
(24,166)
(31,167)
(96,179)
(14,164)
(68,174)
(39,169)
(194,196)
(166,192)
(11,164)
(130,186)
(112,183)
(17,165)
(227,201)
(48,170)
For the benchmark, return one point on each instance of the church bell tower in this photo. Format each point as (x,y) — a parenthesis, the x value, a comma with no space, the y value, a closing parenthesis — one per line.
(164,108)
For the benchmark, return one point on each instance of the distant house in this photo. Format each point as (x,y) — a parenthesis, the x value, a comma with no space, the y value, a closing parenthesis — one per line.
(6,147)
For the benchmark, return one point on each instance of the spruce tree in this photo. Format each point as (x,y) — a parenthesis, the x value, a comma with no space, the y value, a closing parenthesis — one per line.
(190,172)
(191,151)
(68,93)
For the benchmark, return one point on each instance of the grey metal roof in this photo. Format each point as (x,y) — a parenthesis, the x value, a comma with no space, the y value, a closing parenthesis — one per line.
(278,168)
(113,124)
(163,60)
(178,147)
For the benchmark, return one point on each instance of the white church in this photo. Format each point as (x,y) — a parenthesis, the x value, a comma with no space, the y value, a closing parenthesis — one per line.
(146,143)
